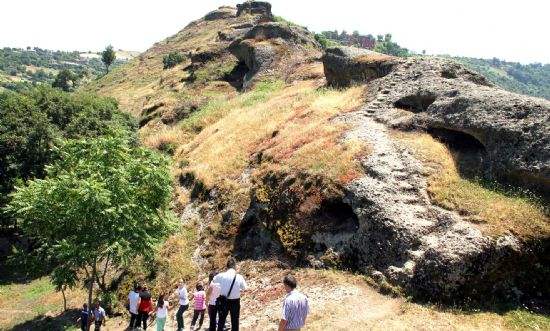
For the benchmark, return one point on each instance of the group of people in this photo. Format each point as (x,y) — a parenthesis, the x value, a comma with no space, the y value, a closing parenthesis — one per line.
(220,299)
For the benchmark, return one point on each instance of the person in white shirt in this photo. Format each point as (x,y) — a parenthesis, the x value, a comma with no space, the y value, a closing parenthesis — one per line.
(133,303)
(231,285)
(162,312)
(212,295)
(181,294)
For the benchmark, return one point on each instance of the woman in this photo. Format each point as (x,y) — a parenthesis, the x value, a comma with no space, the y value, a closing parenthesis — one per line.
(212,294)
(162,312)
(145,306)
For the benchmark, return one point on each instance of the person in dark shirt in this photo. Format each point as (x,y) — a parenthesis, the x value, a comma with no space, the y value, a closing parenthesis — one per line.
(83,319)
(145,306)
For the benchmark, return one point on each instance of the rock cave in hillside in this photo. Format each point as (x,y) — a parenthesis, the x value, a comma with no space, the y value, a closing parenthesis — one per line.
(236,77)
(416,103)
(324,232)
(469,153)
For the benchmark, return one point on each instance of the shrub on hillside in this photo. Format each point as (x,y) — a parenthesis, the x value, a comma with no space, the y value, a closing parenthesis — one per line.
(172,59)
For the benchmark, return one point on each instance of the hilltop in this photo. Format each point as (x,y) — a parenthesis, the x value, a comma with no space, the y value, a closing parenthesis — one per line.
(378,180)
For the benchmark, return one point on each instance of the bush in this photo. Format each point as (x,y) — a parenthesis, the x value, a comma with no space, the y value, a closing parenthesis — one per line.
(172,59)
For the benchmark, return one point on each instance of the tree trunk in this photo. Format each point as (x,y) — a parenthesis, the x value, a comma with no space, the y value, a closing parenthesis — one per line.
(90,290)
(64,298)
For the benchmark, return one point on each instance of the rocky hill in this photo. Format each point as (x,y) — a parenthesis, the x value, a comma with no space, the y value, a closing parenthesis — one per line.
(415,172)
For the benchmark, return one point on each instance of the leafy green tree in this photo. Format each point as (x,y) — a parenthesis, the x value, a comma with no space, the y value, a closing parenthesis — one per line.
(172,59)
(65,80)
(108,57)
(102,203)
(34,121)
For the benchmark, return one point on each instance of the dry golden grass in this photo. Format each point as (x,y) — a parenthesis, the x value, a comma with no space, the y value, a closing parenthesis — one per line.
(291,125)
(374,58)
(496,211)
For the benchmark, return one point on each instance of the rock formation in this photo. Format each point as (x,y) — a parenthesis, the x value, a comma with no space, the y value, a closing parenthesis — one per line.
(511,131)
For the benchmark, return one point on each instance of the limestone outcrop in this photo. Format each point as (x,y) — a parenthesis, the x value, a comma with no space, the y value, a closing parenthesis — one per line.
(510,131)
(272,48)
(345,66)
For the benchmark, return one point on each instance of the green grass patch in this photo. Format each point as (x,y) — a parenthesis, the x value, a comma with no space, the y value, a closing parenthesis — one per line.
(213,70)
(38,289)
(261,92)
(523,319)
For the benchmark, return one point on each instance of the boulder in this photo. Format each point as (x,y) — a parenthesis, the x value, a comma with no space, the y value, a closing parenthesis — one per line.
(272,47)
(255,8)
(345,66)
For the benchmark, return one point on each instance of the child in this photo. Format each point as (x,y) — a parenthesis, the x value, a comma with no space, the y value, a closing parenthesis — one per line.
(162,312)
(83,319)
(200,306)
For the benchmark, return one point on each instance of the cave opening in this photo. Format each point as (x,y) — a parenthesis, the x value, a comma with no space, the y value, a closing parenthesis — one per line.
(468,152)
(416,103)
(336,216)
(236,77)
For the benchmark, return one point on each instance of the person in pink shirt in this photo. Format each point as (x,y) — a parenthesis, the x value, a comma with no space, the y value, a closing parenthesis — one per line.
(200,306)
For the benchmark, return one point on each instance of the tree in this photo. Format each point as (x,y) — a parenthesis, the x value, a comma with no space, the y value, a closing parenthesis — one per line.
(172,59)
(102,203)
(65,80)
(108,57)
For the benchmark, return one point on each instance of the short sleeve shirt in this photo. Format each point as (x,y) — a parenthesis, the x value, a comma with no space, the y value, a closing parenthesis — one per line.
(225,279)
(295,310)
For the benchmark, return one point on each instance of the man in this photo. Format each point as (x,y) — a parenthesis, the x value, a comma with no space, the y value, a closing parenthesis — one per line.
(229,301)
(212,295)
(181,294)
(133,303)
(98,316)
(295,307)
(84,318)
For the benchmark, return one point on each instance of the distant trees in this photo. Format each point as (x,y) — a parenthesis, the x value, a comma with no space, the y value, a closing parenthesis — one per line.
(172,59)
(354,39)
(65,80)
(387,46)
(108,56)
(38,65)
(103,202)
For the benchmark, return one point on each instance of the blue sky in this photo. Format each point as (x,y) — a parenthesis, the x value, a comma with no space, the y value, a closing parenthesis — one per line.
(511,30)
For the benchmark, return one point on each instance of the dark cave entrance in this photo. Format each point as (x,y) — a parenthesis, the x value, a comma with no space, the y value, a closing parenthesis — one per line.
(468,152)
(336,216)
(416,103)
(236,77)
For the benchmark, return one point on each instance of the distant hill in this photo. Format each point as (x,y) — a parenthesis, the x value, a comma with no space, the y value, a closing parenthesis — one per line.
(36,65)
(531,79)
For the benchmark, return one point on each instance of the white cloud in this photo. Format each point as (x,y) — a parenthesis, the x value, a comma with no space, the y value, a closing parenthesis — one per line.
(512,30)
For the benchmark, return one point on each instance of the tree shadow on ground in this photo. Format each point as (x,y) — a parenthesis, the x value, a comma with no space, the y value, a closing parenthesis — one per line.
(59,322)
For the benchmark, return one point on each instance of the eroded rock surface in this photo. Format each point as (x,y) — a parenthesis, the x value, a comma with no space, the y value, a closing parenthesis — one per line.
(345,66)
(461,108)
(273,49)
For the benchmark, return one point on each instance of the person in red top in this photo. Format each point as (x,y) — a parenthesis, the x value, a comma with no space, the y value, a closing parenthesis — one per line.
(145,306)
